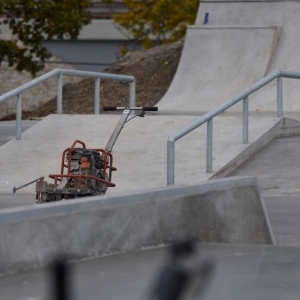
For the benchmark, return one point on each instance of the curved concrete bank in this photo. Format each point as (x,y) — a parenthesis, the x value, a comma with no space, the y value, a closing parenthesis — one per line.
(225,211)
(242,42)
(216,64)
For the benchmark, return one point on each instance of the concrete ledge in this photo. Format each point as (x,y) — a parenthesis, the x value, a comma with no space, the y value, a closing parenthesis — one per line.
(223,211)
(288,127)
(285,127)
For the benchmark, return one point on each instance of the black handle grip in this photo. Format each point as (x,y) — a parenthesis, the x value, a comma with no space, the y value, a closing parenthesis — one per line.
(105,108)
(150,108)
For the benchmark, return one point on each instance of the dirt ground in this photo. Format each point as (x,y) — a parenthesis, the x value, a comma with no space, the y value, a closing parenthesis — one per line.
(153,69)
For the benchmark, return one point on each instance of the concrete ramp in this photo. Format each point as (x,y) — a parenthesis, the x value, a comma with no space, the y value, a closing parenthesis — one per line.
(216,64)
(140,153)
(284,128)
(242,42)
(282,14)
(222,211)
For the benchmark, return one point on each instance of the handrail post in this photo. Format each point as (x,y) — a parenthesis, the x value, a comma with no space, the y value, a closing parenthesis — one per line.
(132,94)
(97,97)
(19,117)
(209,146)
(279,97)
(245,120)
(59,94)
(170,162)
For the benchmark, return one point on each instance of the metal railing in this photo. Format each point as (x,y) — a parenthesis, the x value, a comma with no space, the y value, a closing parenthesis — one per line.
(59,73)
(208,118)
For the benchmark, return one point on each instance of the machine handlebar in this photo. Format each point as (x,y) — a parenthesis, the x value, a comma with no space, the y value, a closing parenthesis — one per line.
(106,108)
(150,108)
(123,120)
(144,108)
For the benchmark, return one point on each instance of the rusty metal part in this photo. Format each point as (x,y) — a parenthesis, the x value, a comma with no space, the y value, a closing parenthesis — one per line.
(84,172)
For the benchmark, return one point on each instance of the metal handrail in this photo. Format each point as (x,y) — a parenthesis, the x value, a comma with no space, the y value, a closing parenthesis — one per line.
(17,92)
(208,118)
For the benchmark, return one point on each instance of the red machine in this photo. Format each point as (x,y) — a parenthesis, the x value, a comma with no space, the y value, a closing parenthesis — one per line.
(84,172)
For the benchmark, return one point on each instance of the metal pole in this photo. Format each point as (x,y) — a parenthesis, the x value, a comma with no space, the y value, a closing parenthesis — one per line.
(170,162)
(59,94)
(19,117)
(279,98)
(97,97)
(117,130)
(132,94)
(20,187)
(209,146)
(61,289)
(245,120)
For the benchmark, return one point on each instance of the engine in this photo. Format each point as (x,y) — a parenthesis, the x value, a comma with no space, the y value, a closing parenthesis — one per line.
(86,162)
(88,173)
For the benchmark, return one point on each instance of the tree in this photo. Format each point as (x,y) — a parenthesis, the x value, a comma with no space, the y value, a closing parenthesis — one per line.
(32,21)
(156,22)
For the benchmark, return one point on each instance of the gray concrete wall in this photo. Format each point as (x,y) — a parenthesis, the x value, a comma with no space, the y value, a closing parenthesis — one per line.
(224,211)
(285,127)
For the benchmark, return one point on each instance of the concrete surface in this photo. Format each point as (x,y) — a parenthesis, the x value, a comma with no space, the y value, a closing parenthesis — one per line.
(14,200)
(216,64)
(7,132)
(139,153)
(284,215)
(268,272)
(279,178)
(219,60)
(270,35)
(277,167)
(235,45)
(241,272)
(223,211)
(284,127)
(8,129)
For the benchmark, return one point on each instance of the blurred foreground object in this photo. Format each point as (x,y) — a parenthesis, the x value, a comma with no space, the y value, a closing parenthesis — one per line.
(183,277)
(61,289)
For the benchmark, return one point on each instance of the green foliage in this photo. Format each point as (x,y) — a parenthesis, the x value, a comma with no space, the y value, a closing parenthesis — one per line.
(32,21)
(153,22)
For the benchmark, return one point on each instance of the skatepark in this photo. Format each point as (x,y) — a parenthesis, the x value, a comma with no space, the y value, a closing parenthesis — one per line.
(243,214)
